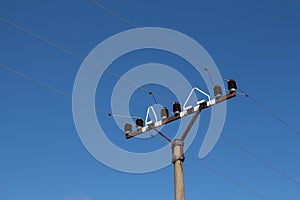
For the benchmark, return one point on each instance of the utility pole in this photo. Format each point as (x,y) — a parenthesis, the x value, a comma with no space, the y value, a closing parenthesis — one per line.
(177,159)
(178,144)
(178,156)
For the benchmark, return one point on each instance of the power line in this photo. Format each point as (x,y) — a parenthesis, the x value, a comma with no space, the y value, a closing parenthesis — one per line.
(41,38)
(225,137)
(131,82)
(264,162)
(61,92)
(227,178)
(260,159)
(215,171)
(53,44)
(133,25)
(58,91)
(206,69)
(81,58)
(151,36)
(113,13)
(106,113)
(269,112)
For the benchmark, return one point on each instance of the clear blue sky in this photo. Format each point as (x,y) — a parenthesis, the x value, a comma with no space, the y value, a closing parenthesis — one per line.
(41,155)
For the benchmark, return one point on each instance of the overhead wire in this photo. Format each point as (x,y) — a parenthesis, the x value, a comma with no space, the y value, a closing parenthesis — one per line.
(118,76)
(151,36)
(58,91)
(261,160)
(118,117)
(212,169)
(71,53)
(227,178)
(130,82)
(205,68)
(165,44)
(267,110)
(224,136)
(109,114)
(263,107)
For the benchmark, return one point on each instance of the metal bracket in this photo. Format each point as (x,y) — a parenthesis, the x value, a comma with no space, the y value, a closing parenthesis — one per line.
(147,115)
(189,96)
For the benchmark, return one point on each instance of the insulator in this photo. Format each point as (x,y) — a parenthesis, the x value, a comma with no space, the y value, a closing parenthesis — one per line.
(164,113)
(128,128)
(217,91)
(231,85)
(176,108)
(139,123)
(203,105)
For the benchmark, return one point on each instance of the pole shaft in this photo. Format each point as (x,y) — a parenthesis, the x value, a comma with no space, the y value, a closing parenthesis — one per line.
(178,180)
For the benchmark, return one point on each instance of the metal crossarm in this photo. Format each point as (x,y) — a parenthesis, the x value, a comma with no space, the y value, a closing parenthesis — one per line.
(188,111)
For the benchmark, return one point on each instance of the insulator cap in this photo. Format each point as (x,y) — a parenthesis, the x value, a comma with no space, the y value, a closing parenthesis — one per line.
(164,113)
(176,108)
(128,128)
(139,123)
(218,91)
(231,85)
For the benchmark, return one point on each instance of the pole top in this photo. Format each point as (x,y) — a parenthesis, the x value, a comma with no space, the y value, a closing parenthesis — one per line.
(177,150)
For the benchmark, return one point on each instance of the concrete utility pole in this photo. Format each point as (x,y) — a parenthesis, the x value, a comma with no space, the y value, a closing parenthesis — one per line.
(177,159)
(178,144)
(178,156)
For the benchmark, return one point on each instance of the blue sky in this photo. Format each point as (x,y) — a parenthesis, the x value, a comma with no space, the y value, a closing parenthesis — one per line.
(41,155)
